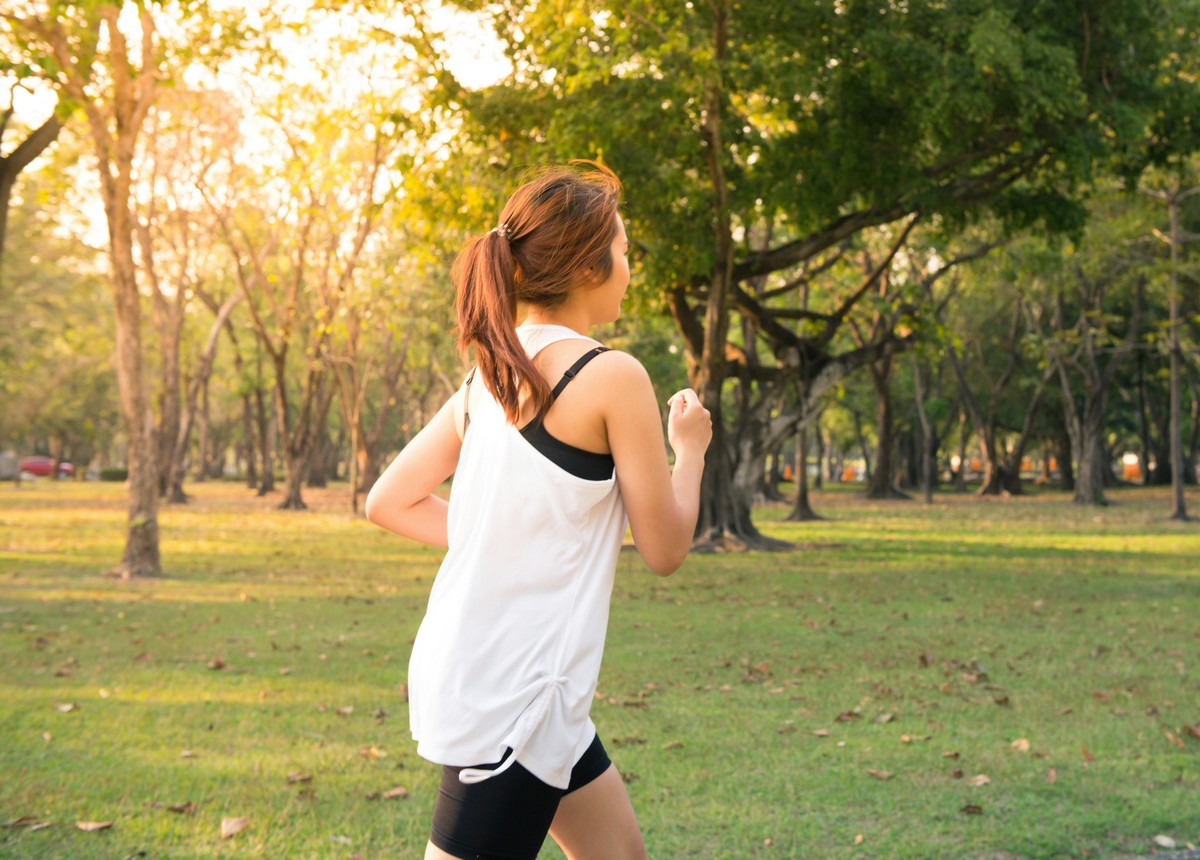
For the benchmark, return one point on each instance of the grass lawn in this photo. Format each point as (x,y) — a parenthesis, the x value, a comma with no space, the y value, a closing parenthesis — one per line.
(990,679)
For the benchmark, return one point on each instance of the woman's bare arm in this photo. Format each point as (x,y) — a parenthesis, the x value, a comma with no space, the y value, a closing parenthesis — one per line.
(662,503)
(402,500)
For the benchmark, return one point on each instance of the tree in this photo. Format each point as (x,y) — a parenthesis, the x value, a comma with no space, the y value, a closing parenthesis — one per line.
(115,90)
(809,123)
(1173,194)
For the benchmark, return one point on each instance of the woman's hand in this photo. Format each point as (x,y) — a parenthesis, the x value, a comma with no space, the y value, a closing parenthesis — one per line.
(689,424)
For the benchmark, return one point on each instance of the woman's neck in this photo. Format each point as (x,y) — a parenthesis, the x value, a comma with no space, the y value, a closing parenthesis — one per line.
(576,319)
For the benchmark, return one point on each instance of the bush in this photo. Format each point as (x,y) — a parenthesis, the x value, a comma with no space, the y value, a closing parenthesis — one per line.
(114,474)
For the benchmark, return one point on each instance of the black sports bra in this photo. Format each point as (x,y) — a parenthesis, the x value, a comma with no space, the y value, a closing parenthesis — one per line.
(588,465)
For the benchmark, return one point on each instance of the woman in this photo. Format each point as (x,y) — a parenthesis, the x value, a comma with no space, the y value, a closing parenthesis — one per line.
(554,442)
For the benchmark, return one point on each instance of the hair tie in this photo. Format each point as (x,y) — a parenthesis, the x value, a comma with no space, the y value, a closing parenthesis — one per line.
(502,229)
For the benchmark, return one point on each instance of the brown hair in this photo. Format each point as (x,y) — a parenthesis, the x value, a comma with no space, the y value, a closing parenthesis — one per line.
(554,233)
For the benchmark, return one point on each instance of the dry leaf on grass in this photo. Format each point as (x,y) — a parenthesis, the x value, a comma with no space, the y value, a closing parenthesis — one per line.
(1020,745)
(372,752)
(1087,756)
(978,780)
(90,826)
(821,733)
(1175,740)
(1051,775)
(1164,841)
(231,827)
(397,793)
(858,839)
(296,776)
(673,745)
(880,774)
(66,707)
(885,718)
(972,809)
(30,821)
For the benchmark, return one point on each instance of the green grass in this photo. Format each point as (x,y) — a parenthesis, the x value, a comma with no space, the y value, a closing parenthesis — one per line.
(973,623)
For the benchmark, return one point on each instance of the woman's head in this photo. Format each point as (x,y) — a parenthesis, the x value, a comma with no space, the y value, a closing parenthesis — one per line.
(554,236)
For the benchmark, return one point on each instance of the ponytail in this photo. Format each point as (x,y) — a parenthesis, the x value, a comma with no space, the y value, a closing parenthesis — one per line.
(555,234)
(486,304)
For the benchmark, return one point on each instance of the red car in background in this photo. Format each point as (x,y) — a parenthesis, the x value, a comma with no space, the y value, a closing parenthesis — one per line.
(43,466)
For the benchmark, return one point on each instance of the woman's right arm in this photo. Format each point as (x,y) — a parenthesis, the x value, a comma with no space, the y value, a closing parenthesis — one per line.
(662,503)
(402,500)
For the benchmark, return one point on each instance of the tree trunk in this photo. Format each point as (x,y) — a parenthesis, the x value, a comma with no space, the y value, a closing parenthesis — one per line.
(881,485)
(1178,502)
(926,433)
(248,446)
(12,164)
(802,511)
(1091,454)
(265,421)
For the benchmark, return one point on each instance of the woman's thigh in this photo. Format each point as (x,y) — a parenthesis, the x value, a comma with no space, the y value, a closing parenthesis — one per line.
(597,822)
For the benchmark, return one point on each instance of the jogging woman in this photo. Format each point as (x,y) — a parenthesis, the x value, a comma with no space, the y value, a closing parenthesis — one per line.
(555,443)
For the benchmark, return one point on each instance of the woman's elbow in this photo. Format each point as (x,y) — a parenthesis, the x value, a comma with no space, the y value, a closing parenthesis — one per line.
(664,563)
(371,507)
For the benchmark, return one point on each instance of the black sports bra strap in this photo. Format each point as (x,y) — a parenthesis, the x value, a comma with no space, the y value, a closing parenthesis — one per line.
(467,402)
(575,368)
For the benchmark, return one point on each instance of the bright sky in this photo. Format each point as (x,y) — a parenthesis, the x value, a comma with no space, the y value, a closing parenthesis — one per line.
(313,51)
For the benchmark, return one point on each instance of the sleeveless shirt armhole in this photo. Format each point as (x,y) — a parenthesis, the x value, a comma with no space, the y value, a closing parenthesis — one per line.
(467,402)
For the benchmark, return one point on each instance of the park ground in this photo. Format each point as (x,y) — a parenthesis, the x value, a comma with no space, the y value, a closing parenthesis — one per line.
(979,678)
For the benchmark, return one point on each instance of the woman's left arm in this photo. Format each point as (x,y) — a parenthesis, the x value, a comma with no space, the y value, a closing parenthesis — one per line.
(402,500)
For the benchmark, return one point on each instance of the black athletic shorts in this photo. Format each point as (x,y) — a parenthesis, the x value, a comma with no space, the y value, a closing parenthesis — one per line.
(508,816)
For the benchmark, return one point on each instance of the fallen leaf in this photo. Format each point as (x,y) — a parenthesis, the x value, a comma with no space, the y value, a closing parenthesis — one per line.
(956,774)
(978,780)
(1175,740)
(950,755)
(188,754)
(1051,776)
(216,663)
(346,711)
(846,716)
(884,718)
(1087,756)
(296,776)
(66,707)
(1192,731)
(91,826)
(398,792)
(23,821)
(1164,841)
(1020,745)
(972,809)
(183,808)
(880,774)
(673,745)
(1003,701)
(231,827)
(47,737)
(372,752)
(858,839)
(821,733)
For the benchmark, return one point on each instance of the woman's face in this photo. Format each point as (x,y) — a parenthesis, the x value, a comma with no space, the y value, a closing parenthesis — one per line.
(611,291)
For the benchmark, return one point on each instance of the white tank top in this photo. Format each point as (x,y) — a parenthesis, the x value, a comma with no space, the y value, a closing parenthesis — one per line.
(508,654)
